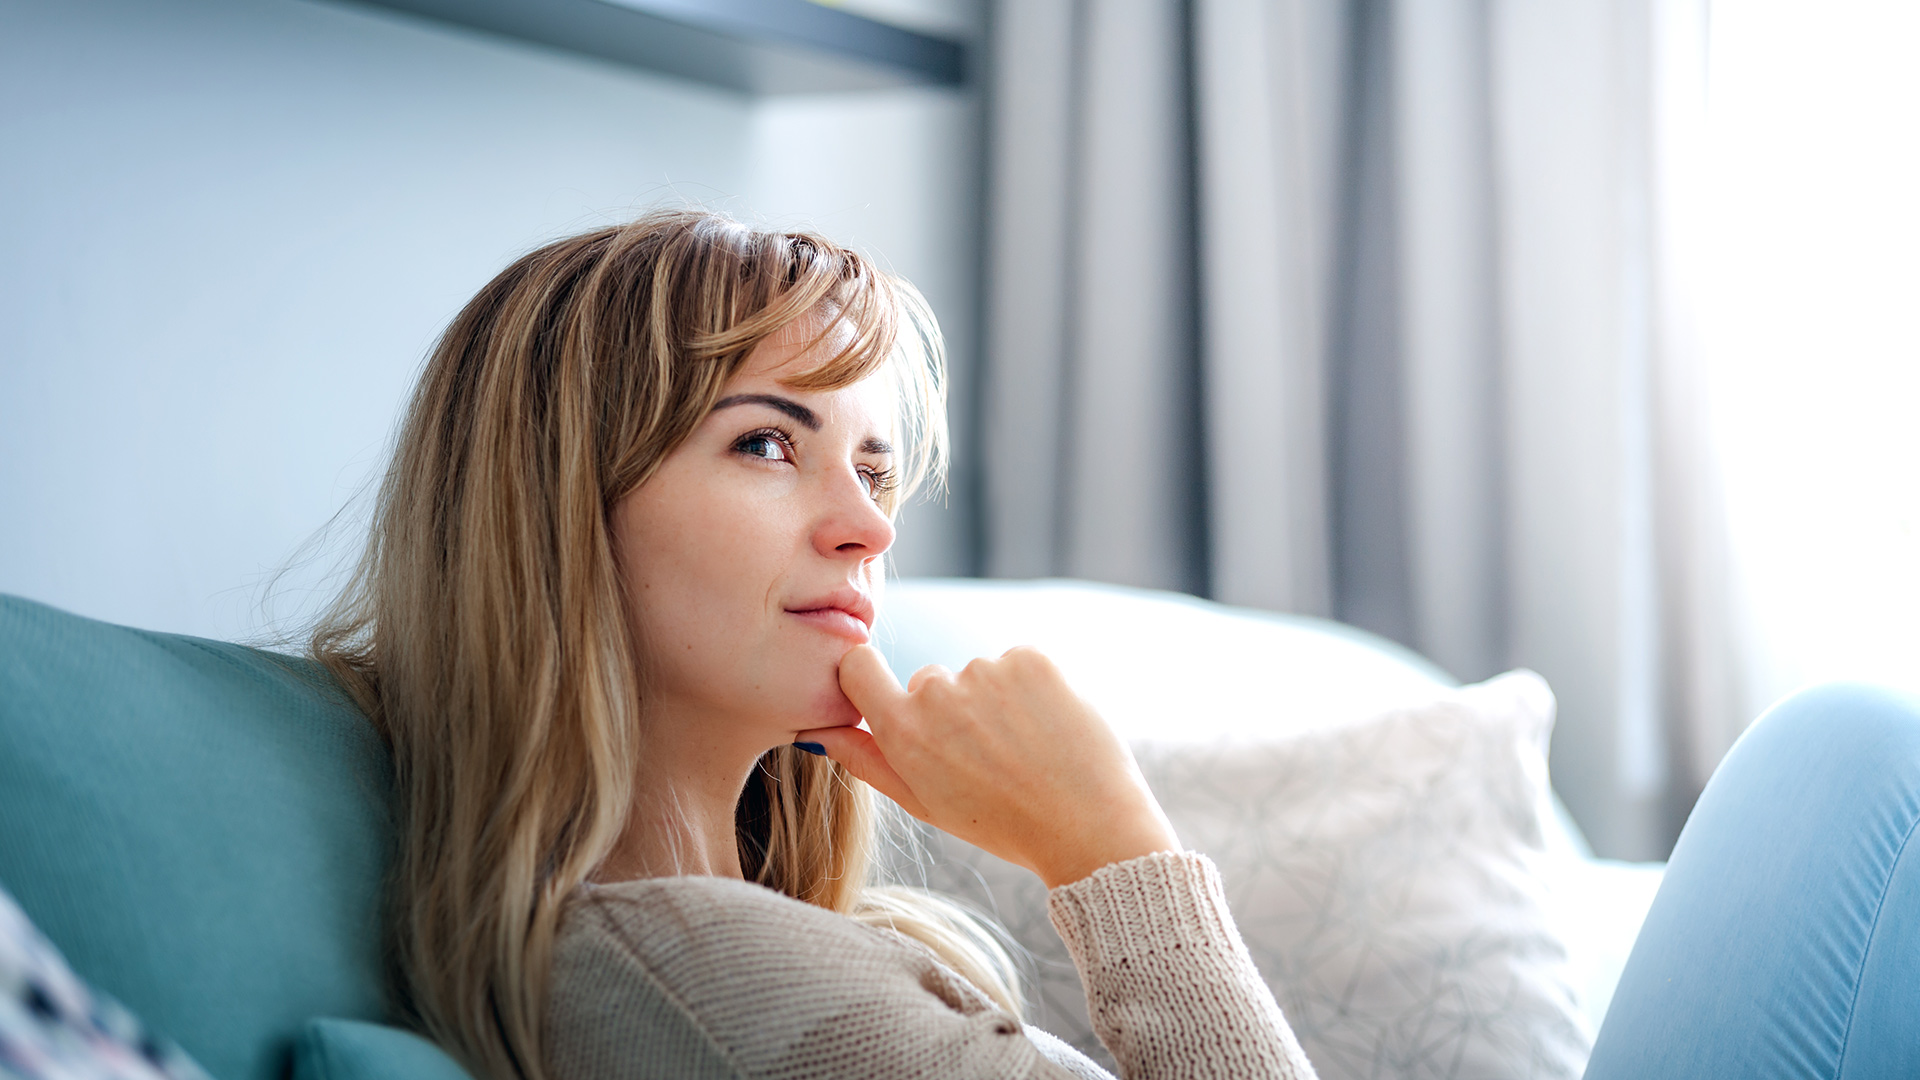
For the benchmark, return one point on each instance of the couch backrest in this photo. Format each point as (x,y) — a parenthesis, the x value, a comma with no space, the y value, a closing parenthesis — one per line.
(200,827)
(1162,666)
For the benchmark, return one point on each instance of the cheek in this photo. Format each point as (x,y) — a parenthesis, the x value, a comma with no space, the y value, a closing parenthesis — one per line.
(701,573)
(708,570)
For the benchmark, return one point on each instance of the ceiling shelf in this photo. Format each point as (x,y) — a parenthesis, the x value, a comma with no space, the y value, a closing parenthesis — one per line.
(759,46)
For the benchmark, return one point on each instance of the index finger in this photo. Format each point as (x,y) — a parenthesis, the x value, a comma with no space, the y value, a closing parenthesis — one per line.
(869,683)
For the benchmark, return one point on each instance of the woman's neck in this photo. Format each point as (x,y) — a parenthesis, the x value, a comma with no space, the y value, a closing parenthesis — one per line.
(686,791)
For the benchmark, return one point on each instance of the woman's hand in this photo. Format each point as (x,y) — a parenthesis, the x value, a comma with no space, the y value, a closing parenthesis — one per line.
(1003,755)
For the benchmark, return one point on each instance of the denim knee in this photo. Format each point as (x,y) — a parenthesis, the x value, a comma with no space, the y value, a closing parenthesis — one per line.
(1786,938)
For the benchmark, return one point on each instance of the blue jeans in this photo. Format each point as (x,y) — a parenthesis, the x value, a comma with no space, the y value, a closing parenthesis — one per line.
(1785,940)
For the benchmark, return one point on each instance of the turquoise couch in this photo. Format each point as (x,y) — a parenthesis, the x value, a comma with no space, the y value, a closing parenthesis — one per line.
(202,827)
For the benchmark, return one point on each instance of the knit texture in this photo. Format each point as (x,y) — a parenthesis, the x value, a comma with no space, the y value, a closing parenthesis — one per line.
(1170,986)
(694,978)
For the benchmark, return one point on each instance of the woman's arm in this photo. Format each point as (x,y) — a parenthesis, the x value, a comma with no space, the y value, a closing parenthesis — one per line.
(710,979)
(1170,986)
(1007,757)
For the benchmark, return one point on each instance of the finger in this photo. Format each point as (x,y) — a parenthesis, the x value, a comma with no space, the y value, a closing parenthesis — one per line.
(931,671)
(856,749)
(869,683)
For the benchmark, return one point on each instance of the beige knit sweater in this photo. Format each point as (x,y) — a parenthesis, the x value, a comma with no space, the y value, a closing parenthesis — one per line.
(693,978)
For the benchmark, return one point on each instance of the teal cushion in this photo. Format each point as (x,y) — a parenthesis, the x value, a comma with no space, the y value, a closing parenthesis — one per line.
(353,1050)
(200,827)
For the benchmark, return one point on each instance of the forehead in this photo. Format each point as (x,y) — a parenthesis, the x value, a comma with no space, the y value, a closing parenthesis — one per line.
(872,403)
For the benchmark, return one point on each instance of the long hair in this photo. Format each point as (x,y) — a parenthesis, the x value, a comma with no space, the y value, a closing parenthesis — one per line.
(484,630)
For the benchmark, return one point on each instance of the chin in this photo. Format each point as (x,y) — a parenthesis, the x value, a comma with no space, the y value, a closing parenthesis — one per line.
(817,701)
(831,711)
(812,700)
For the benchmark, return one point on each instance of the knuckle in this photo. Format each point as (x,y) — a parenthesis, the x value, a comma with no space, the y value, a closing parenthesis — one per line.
(1027,659)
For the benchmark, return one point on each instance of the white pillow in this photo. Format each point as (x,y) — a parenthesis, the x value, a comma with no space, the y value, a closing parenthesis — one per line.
(1385,874)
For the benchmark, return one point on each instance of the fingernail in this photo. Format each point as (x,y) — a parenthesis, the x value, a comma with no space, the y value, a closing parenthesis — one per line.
(812,748)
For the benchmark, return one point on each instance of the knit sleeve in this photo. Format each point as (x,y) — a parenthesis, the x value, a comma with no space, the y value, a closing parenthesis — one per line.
(703,979)
(1170,986)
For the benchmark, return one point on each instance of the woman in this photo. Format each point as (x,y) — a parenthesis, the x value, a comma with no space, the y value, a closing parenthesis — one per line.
(613,619)
(626,557)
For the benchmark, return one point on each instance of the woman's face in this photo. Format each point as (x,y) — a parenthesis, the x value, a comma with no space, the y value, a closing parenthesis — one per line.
(751,556)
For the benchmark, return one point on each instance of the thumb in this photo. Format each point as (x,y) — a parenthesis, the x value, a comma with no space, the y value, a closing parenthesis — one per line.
(856,750)
(869,683)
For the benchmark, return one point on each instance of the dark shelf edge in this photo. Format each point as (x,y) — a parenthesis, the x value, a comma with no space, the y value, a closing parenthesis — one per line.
(798,22)
(760,46)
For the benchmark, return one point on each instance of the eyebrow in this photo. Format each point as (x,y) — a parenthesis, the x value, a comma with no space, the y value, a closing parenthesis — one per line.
(805,416)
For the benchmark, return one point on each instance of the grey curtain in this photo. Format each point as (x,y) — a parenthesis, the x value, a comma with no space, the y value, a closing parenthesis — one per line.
(1365,309)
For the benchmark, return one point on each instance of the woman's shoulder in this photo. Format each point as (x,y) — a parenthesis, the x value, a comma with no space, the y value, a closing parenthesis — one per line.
(712,977)
(654,917)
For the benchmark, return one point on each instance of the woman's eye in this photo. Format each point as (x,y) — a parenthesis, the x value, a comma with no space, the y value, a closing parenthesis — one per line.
(879,482)
(767,445)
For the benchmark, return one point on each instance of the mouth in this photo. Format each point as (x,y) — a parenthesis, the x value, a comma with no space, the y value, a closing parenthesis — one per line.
(844,613)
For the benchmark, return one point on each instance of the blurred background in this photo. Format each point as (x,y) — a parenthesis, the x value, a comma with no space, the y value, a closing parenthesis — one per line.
(1582,336)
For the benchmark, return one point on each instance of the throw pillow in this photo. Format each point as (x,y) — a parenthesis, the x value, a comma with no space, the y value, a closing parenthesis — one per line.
(356,1050)
(1385,874)
(53,1027)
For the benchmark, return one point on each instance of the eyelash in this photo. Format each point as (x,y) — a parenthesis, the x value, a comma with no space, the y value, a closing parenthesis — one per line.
(879,481)
(784,438)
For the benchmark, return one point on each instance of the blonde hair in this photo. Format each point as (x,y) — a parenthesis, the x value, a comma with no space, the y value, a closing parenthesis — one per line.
(484,631)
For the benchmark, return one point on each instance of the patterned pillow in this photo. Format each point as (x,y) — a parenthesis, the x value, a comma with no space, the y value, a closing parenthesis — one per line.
(1386,876)
(52,1026)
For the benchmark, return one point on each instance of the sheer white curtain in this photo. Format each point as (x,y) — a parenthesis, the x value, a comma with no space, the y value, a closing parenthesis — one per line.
(1370,309)
(1615,534)
(1813,247)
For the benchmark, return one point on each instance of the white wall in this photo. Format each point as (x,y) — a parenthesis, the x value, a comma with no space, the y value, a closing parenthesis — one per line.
(229,230)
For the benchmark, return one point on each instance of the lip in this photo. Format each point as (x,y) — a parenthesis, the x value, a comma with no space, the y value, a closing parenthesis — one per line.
(846,613)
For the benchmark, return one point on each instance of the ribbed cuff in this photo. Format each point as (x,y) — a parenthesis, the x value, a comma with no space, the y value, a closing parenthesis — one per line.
(1169,900)
(1170,986)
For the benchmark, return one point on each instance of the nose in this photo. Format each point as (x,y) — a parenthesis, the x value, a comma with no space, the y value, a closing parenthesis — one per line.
(852,524)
